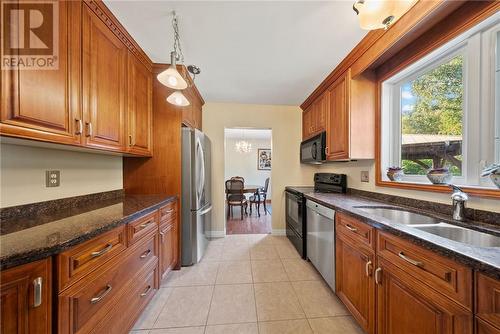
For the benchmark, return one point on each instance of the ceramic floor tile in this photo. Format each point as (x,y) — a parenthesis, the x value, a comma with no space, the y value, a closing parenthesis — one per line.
(250,328)
(277,301)
(335,325)
(213,253)
(203,273)
(143,331)
(317,300)
(287,251)
(180,330)
(300,270)
(281,240)
(187,306)
(238,252)
(263,253)
(232,304)
(300,326)
(236,240)
(234,272)
(261,240)
(268,271)
(151,312)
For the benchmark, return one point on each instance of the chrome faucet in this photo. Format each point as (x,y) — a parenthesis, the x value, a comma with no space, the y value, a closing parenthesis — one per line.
(459,197)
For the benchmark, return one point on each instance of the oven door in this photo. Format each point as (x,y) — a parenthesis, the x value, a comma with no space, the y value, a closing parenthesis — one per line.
(294,212)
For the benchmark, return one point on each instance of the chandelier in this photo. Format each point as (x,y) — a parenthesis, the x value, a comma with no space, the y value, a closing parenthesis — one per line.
(243,146)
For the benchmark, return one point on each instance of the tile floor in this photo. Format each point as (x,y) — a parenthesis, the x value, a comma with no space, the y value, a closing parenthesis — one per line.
(246,284)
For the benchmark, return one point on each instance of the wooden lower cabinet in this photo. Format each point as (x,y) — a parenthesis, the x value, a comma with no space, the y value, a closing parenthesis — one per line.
(406,305)
(169,248)
(482,327)
(26,297)
(354,281)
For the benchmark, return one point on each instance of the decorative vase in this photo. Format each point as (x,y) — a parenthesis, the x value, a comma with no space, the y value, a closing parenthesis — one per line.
(439,175)
(395,173)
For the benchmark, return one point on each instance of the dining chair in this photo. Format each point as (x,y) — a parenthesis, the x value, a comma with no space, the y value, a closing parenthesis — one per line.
(235,197)
(260,196)
(239,178)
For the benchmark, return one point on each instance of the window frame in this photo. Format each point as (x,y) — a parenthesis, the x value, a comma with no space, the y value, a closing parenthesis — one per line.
(478,72)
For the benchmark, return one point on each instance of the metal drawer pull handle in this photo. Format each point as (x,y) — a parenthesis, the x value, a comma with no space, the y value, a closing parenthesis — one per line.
(407,259)
(377,276)
(37,291)
(142,226)
(351,228)
(162,235)
(145,254)
(170,210)
(146,291)
(89,129)
(103,294)
(102,252)
(367,268)
(80,127)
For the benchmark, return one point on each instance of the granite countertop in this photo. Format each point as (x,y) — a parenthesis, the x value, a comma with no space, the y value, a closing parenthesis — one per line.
(483,259)
(36,236)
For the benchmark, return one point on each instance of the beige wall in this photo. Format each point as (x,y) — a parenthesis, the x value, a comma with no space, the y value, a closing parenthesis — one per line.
(285,122)
(245,164)
(353,171)
(22,177)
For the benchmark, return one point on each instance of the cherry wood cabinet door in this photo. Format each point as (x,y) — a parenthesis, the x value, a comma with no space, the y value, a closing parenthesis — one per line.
(354,281)
(169,247)
(44,104)
(482,327)
(140,109)
(337,135)
(104,84)
(406,305)
(26,299)
(307,122)
(321,112)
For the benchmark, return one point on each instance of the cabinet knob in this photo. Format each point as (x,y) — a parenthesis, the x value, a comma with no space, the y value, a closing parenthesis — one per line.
(37,292)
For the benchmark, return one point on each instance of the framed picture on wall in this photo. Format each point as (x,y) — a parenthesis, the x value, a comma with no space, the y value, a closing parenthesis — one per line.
(264,159)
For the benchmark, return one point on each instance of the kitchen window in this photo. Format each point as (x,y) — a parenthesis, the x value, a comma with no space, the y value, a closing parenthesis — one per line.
(443,111)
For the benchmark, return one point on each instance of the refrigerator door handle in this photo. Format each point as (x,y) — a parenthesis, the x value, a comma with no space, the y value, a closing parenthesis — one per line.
(205,210)
(201,185)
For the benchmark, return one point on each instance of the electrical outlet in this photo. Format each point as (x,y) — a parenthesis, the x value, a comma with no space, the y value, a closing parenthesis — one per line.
(365,176)
(52,178)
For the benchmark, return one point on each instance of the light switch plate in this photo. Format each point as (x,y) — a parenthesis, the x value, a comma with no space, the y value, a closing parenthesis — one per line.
(52,178)
(365,176)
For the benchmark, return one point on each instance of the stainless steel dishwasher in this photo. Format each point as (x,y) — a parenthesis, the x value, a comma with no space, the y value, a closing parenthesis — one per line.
(321,240)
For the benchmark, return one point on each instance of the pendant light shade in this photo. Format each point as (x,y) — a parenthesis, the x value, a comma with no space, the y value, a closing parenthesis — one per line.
(380,14)
(171,77)
(178,99)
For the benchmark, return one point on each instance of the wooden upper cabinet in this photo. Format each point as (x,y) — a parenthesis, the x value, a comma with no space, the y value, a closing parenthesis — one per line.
(191,114)
(26,299)
(307,123)
(314,118)
(337,136)
(104,84)
(140,110)
(43,104)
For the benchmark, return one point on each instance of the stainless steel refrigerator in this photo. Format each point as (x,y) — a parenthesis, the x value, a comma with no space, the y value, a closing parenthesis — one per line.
(196,195)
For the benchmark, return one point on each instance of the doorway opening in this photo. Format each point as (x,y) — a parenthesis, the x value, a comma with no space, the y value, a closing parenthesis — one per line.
(248,163)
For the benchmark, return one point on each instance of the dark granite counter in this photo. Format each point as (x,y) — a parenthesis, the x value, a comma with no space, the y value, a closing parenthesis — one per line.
(486,260)
(38,235)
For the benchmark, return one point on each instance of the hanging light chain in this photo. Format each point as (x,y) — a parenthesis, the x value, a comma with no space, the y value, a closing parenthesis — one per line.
(177,39)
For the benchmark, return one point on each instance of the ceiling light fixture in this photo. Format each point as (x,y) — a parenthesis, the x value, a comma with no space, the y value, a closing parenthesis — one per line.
(243,146)
(171,77)
(378,14)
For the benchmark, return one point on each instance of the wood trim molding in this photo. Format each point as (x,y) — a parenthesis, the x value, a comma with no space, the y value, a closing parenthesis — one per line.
(456,23)
(106,16)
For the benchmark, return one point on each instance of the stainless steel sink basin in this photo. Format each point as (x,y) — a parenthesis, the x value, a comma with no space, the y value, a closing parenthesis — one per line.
(462,234)
(399,215)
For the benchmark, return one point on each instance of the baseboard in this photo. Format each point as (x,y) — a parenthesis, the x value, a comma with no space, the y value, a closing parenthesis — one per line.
(279,232)
(216,234)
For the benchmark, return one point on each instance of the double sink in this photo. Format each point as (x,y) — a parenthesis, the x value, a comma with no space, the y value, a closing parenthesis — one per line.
(434,226)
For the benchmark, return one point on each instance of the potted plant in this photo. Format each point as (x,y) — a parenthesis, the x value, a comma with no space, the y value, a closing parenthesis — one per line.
(395,173)
(439,175)
(493,171)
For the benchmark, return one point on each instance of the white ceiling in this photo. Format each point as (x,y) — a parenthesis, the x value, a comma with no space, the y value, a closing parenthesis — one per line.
(262,52)
(246,133)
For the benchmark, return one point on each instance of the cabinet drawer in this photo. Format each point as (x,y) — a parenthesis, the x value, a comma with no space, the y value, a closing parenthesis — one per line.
(482,327)
(142,227)
(488,298)
(169,211)
(89,256)
(355,229)
(440,273)
(85,303)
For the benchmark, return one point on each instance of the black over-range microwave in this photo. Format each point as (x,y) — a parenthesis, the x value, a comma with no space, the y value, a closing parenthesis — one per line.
(312,150)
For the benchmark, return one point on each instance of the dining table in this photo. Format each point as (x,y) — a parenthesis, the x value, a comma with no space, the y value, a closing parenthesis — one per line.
(250,188)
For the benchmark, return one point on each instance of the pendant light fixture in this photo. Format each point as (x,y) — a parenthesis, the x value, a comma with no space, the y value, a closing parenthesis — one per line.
(171,76)
(380,14)
(243,146)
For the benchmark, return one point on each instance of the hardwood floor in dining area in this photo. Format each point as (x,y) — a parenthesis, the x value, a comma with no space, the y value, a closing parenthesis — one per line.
(251,224)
